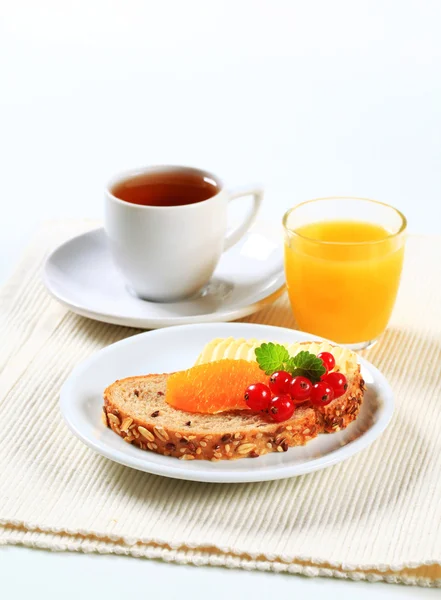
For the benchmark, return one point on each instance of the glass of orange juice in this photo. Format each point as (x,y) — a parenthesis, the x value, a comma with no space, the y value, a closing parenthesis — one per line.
(343,261)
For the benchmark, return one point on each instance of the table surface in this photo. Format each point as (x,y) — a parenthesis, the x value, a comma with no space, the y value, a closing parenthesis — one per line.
(309,98)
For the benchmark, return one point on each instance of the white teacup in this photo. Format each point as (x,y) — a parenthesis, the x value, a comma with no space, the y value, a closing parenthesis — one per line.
(169,252)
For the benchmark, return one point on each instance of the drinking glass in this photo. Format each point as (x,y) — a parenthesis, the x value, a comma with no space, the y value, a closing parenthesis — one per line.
(343,262)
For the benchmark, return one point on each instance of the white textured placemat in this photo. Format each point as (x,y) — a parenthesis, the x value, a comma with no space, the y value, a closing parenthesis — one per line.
(375,516)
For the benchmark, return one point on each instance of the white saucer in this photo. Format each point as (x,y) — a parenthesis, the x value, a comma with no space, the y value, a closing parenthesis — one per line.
(80,274)
(175,348)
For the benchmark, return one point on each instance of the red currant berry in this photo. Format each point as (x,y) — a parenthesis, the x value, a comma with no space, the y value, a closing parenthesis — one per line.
(281,408)
(300,389)
(279,382)
(322,394)
(328,360)
(338,383)
(257,396)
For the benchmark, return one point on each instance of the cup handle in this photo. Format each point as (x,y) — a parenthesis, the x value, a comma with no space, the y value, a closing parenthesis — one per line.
(234,236)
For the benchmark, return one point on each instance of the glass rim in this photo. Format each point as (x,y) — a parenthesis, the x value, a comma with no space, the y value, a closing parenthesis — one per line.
(401,229)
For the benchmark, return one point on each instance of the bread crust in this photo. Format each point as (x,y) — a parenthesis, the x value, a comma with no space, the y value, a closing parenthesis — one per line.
(221,445)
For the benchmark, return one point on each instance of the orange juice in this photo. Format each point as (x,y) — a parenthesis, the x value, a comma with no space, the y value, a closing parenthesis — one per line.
(342,278)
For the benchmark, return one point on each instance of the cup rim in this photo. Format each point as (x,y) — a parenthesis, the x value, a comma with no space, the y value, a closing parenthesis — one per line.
(401,229)
(130,173)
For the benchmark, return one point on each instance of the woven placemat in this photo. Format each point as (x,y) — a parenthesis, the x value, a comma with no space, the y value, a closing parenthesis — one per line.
(376,516)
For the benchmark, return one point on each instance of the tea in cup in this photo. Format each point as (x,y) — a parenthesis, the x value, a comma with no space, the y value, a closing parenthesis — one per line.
(167,228)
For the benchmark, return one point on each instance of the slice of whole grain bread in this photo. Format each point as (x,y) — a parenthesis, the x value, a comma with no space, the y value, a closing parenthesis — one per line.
(135,408)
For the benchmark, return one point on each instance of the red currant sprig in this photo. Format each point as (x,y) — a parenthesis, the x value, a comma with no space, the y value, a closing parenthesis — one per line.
(300,389)
(281,408)
(338,383)
(322,394)
(328,360)
(258,396)
(284,391)
(280,382)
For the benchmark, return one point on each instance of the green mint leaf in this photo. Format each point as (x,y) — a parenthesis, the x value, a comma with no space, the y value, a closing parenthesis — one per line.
(271,357)
(290,364)
(275,357)
(307,365)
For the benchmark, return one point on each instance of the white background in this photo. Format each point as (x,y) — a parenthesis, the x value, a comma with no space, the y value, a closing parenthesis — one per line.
(309,97)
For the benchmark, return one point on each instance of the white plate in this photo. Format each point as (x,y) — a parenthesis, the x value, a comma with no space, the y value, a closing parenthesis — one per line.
(177,348)
(81,275)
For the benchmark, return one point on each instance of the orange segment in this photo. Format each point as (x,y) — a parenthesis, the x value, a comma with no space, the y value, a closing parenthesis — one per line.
(213,387)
